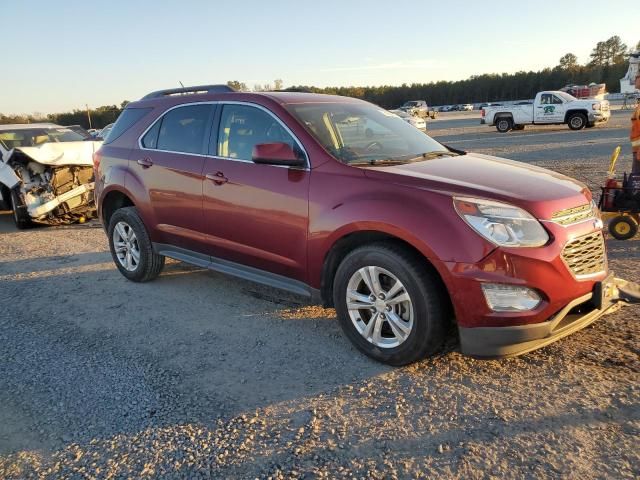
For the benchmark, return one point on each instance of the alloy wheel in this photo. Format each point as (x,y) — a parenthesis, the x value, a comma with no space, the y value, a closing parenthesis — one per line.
(380,307)
(125,244)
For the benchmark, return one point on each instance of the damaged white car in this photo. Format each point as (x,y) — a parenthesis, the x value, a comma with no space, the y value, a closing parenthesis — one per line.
(46,174)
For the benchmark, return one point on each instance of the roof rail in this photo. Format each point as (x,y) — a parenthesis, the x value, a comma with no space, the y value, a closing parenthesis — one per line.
(186,90)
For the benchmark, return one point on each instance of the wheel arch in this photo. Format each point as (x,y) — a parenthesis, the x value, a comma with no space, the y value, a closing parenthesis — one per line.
(346,243)
(112,201)
(574,111)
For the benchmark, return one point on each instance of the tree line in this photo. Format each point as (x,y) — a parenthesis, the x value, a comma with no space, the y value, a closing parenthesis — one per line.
(607,64)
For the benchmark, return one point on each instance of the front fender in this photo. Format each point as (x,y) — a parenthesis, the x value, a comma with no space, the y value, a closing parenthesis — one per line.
(425,220)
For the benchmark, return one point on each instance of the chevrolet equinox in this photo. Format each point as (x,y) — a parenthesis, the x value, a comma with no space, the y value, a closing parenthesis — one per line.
(341,201)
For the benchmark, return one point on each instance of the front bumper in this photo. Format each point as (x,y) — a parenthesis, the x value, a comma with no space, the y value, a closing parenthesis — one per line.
(599,116)
(508,341)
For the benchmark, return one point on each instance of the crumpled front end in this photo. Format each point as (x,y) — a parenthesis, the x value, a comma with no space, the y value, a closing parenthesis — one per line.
(53,185)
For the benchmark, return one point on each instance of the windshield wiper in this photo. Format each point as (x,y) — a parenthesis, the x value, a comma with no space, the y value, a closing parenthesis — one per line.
(379,161)
(400,161)
(438,153)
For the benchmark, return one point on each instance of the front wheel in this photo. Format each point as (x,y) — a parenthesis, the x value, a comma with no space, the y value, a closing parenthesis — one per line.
(131,247)
(577,121)
(390,307)
(504,124)
(21,216)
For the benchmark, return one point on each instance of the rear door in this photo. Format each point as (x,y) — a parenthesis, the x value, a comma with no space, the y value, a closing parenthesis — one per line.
(169,164)
(255,214)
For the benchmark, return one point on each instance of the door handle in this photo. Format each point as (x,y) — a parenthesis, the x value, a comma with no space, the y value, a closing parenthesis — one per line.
(145,162)
(218,178)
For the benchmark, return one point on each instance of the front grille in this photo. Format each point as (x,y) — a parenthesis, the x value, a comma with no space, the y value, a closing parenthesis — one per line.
(573,215)
(585,255)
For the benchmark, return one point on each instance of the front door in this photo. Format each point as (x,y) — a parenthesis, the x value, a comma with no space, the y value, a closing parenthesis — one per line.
(170,164)
(256,215)
(550,110)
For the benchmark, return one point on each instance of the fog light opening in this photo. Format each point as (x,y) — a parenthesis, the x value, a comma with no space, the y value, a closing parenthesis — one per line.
(510,298)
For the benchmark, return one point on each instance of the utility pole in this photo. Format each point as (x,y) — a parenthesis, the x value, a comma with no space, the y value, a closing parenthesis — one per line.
(88,115)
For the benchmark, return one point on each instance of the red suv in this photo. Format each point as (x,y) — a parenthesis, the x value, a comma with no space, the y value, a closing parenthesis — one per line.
(339,200)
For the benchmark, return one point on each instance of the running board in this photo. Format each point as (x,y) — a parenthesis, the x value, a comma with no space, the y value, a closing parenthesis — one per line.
(238,270)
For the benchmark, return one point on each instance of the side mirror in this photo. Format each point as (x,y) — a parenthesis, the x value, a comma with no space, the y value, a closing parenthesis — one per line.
(276,154)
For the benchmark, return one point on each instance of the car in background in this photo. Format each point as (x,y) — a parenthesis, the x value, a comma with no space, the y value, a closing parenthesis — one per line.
(46,174)
(418,108)
(104,133)
(414,121)
(80,130)
(338,200)
(465,107)
(485,105)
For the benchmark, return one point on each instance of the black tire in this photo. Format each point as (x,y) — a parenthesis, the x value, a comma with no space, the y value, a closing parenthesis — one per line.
(504,124)
(150,264)
(20,214)
(577,121)
(428,297)
(623,227)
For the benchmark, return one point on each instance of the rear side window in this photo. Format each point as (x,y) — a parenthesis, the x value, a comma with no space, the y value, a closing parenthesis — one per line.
(150,139)
(181,130)
(126,120)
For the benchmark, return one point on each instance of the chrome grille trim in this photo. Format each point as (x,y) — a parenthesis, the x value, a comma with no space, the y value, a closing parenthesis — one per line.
(585,256)
(571,216)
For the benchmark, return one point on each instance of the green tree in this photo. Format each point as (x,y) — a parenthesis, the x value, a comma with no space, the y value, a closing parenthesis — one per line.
(598,55)
(568,62)
(616,50)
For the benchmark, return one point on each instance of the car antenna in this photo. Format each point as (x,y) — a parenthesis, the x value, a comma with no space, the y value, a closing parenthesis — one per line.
(181,84)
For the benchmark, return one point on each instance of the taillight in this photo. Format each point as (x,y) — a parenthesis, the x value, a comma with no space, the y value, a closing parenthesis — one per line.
(482,112)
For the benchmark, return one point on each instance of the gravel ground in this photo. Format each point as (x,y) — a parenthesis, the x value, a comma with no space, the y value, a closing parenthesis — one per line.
(198,375)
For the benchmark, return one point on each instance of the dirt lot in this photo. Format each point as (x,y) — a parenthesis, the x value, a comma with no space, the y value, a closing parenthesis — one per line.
(198,375)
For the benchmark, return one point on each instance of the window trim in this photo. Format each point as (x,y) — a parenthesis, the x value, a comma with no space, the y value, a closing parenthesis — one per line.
(205,140)
(215,123)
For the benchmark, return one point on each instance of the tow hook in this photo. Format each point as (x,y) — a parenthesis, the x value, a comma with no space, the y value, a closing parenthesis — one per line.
(627,292)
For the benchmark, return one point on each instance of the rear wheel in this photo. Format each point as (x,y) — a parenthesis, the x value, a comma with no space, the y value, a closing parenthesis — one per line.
(623,227)
(20,214)
(131,247)
(504,124)
(388,306)
(577,121)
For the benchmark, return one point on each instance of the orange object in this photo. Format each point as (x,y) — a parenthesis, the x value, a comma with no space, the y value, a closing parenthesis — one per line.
(635,132)
(610,193)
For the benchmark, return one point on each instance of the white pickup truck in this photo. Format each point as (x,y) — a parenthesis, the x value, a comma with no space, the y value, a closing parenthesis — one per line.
(551,107)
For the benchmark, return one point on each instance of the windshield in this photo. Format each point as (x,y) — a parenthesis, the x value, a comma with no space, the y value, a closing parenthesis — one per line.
(412,104)
(361,133)
(32,137)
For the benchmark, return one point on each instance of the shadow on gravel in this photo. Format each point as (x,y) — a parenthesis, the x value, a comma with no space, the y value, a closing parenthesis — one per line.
(53,262)
(79,363)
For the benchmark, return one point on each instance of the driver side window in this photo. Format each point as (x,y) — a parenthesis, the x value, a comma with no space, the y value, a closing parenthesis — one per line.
(242,127)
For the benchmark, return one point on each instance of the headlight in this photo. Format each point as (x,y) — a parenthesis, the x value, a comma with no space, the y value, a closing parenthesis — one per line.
(501,223)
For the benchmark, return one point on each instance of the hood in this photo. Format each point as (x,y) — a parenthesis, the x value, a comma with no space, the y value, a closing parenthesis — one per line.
(59,154)
(539,191)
